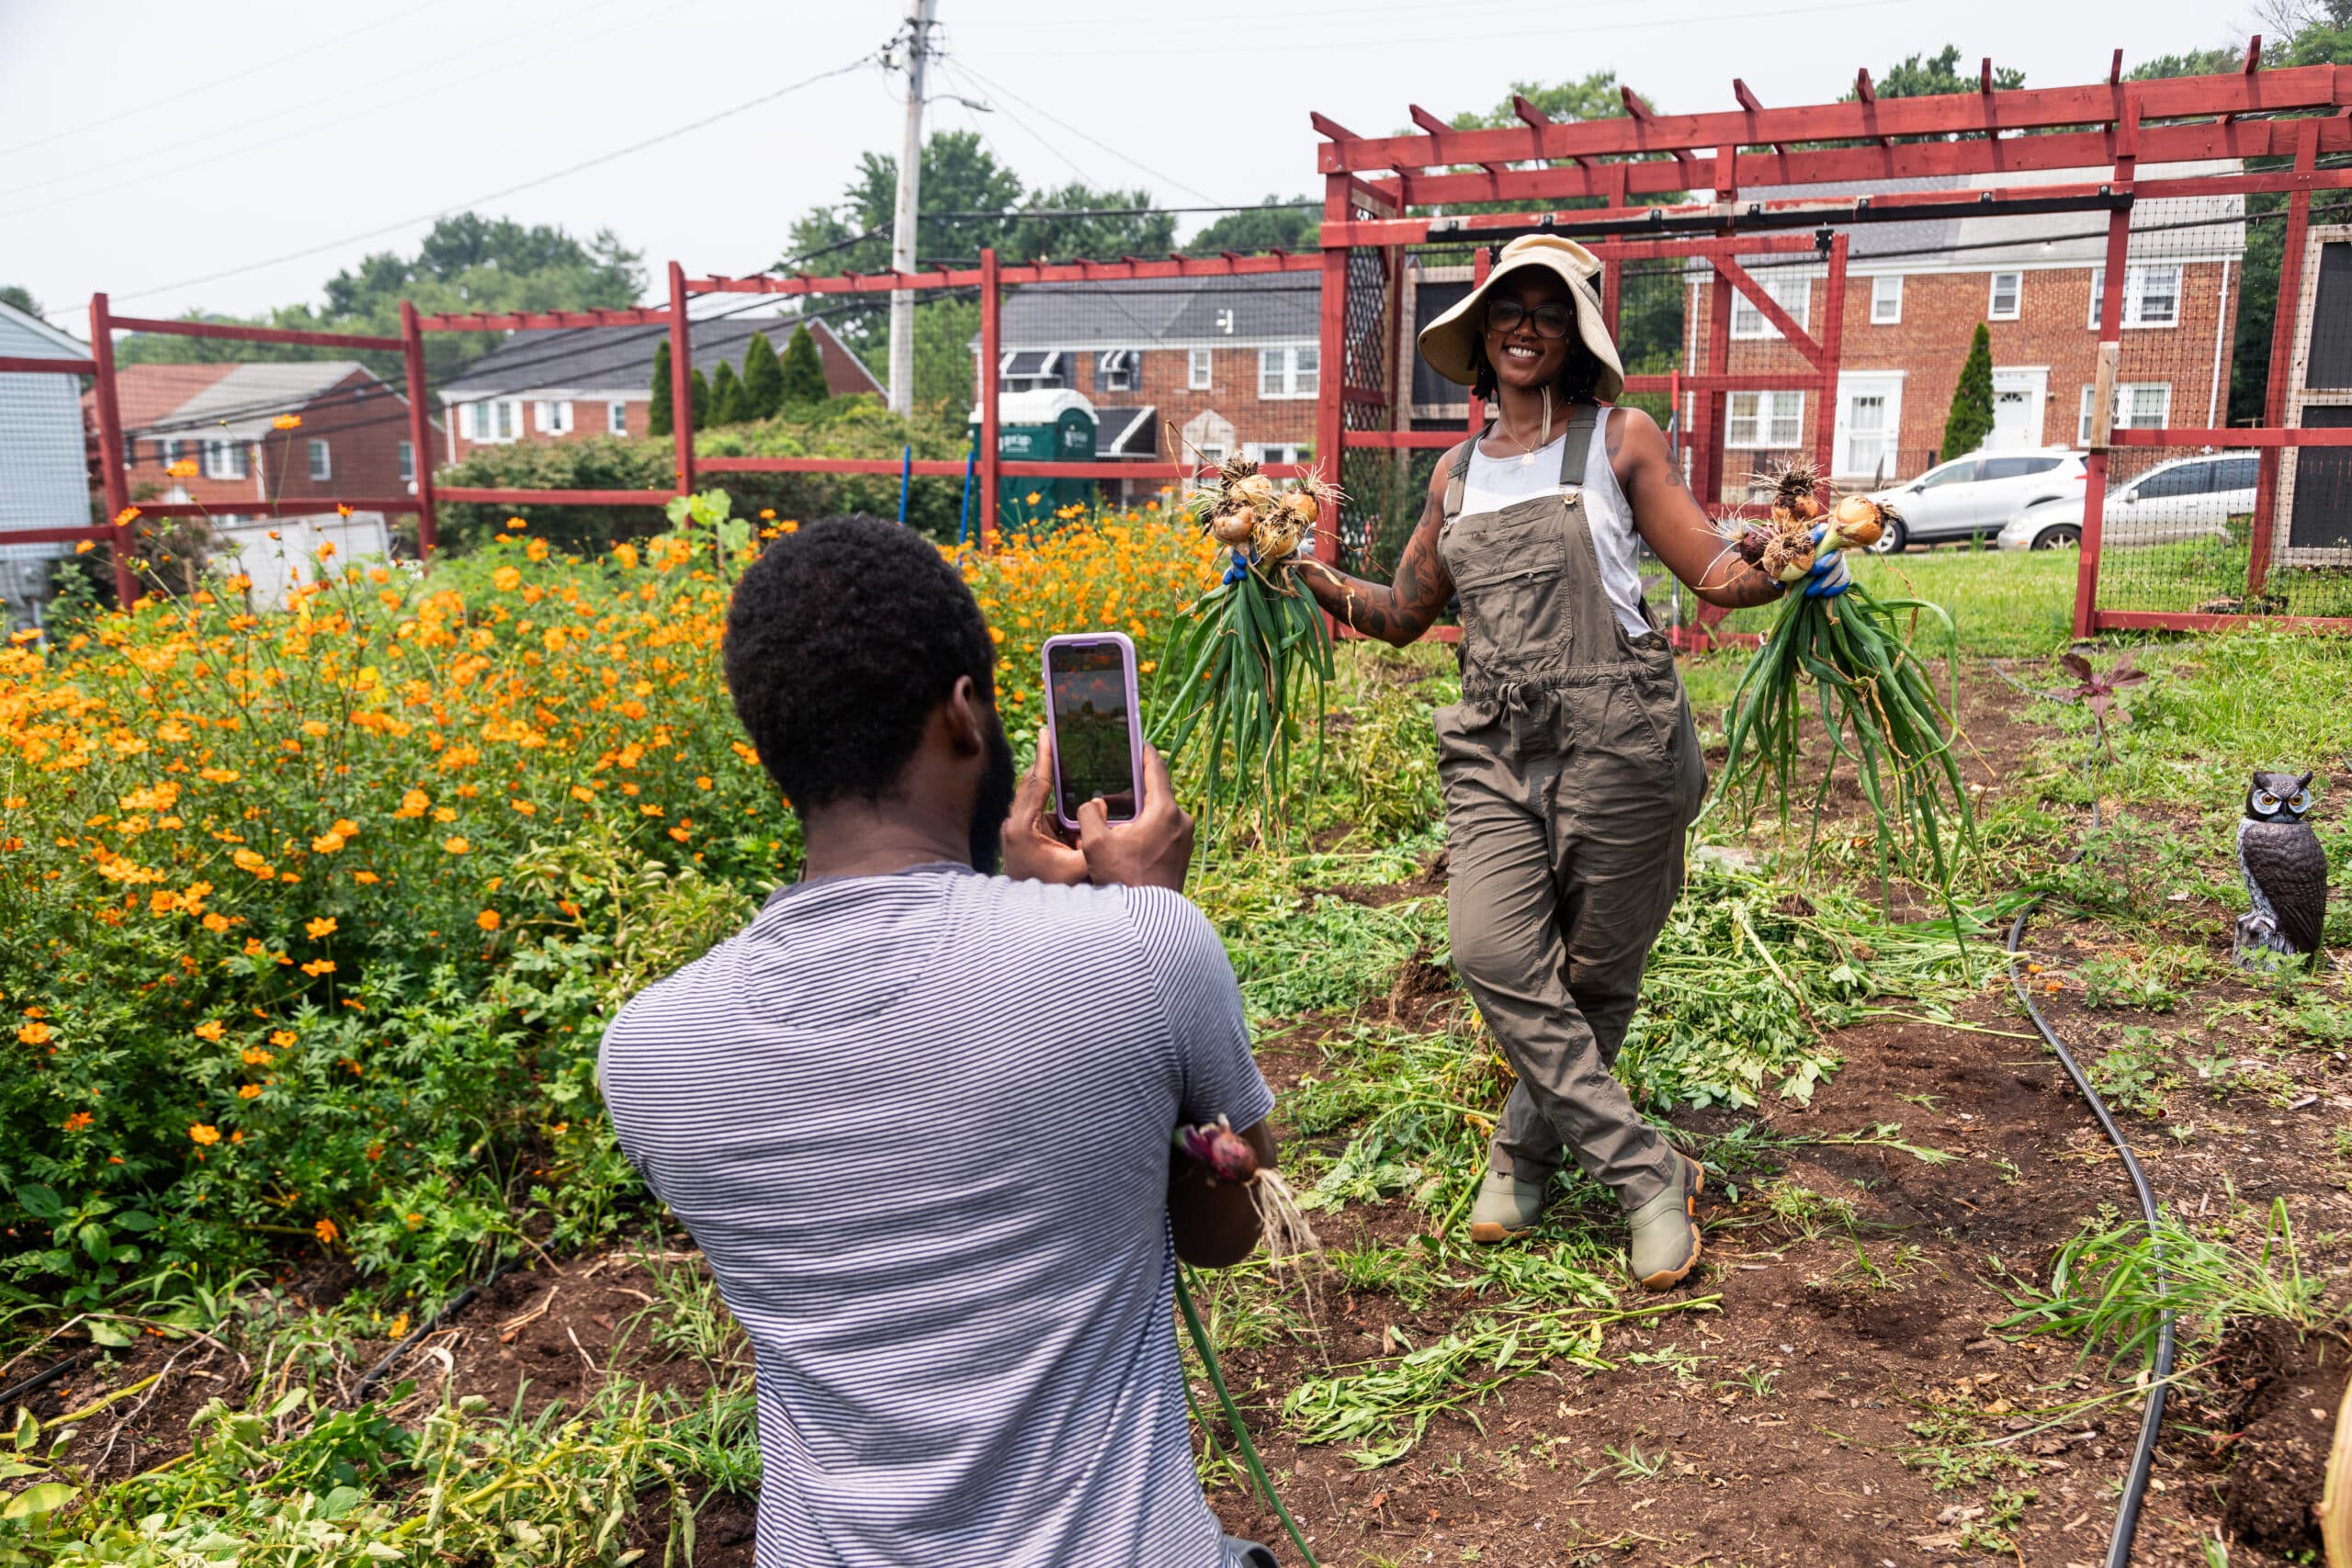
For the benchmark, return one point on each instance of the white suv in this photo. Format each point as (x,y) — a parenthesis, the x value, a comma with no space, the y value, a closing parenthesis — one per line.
(2189,498)
(1973,496)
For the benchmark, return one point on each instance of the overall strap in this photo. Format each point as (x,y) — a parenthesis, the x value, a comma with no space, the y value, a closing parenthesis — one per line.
(1576,449)
(1457,474)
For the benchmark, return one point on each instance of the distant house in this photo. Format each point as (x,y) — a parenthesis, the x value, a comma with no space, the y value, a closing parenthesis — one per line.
(350,436)
(44,470)
(587,381)
(1916,289)
(1233,364)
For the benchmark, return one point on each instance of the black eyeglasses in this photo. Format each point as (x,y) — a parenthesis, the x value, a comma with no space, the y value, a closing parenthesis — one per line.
(1552,319)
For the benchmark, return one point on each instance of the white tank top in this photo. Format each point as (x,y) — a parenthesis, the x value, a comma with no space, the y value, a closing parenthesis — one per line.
(1494,483)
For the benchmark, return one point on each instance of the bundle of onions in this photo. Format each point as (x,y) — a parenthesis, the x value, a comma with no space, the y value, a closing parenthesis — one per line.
(1875,696)
(1248,656)
(1228,1158)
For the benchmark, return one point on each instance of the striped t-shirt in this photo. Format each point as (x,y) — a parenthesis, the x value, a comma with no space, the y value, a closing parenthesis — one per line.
(920,1126)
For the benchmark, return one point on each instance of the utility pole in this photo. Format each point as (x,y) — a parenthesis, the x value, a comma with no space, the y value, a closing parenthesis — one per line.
(902,235)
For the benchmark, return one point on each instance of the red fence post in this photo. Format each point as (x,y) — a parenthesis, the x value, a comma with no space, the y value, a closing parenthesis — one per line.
(2284,309)
(1714,404)
(115,482)
(1331,353)
(2110,347)
(420,429)
(681,382)
(992,351)
(1833,340)
(1482,262)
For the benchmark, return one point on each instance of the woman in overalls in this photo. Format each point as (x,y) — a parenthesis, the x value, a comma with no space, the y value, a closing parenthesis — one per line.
(1571,766)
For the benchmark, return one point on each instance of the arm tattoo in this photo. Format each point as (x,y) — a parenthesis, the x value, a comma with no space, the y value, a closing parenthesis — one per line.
(1398,612)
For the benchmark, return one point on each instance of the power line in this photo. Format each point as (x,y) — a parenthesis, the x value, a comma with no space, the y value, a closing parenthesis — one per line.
(1170,179)
(602,158)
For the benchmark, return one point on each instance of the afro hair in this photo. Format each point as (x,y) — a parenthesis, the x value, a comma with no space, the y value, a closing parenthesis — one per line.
(841,639)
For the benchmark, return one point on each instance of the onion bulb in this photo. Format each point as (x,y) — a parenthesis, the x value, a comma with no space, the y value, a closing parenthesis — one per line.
(1857,522)
(1233,526)
(1257,489)
(1300,506)
(1789,558)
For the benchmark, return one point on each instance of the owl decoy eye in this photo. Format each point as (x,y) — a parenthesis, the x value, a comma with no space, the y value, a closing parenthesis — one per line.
(2300,802)
(2265,801)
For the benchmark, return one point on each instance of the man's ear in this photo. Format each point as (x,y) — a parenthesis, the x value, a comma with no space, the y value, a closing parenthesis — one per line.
(967,731)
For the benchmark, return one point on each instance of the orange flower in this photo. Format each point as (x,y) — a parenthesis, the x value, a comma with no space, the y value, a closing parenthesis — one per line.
(203,1134)
(211,1029)
(79,1120)
(487,920)
(85,547)
(537,550)
(125,517)
(287,421)
(35,1033)
(249,1092)
(343,509)
(323,926)
(326,1232)
(254,1056)
(281,1038)
(507,578)
(318,966)
(326,843)
(182,469)
(789,526)
(454,846)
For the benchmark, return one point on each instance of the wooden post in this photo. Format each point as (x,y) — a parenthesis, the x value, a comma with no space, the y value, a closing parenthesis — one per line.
(2285,311)
(991,353)
(420,429)
(682,384)
(1331,372)
(1482,262)
(2110,342)
(112,480)
(1833,338)
(1715,404)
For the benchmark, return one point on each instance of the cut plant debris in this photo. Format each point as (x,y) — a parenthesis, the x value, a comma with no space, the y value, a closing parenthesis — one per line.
(1249,659)
(1850,658)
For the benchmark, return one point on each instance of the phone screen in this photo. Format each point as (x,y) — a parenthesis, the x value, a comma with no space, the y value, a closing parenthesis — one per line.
(1087,683)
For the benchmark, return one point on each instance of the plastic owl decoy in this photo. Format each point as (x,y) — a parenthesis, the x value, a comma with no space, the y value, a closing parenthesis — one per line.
(2285,874)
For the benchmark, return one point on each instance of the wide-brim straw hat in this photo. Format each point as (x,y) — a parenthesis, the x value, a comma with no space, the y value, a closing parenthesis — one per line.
(1451,343)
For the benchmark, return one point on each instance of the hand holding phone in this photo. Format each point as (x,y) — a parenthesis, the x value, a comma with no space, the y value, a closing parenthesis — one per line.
(1155,850)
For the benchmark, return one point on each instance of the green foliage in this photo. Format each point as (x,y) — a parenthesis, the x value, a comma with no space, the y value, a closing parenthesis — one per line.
(763,379)
(698,399)
(725,398)
(662,415)
(1971,420)
(1927,76)
(466,263)
(598,462)
(1597,95)
(20,297)
(2193,62)
(1277,225)
(800,374)
(945,327)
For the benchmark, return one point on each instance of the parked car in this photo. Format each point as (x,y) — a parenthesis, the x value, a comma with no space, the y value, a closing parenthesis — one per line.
(1976,494)
(2187,498)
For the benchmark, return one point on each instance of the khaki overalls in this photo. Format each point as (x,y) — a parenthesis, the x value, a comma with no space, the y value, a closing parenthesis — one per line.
(1571,770)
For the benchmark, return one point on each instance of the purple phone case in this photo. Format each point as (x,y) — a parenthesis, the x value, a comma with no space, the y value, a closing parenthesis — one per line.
(1134,709)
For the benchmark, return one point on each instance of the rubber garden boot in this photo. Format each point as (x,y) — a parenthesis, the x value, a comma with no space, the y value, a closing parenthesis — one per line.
(1665,1235)
(1506,1207)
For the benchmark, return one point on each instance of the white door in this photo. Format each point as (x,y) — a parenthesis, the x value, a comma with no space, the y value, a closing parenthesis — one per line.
(2018,399)
(1870,419)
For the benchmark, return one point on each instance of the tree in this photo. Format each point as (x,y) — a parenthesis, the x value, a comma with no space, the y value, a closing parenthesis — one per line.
(1277,225)
(944,331)
(661,415)
(726,397)
(17,294)
(762,378)
(802,372)
(1971,420)
(698,400)
(1924,76)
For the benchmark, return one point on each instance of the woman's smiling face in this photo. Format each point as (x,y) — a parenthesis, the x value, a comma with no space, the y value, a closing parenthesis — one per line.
(1523,356)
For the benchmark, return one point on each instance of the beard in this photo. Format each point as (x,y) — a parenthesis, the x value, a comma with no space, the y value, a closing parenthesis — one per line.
(999,782)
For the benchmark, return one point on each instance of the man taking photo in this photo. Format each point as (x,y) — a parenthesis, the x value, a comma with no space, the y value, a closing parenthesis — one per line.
(918,1114)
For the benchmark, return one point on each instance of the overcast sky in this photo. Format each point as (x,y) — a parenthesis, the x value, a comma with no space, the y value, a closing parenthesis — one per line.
(234,155)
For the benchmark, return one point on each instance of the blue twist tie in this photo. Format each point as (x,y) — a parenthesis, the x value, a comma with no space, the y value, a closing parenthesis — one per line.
(1235,571)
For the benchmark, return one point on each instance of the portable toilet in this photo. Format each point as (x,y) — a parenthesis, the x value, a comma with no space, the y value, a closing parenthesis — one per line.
(1052,425)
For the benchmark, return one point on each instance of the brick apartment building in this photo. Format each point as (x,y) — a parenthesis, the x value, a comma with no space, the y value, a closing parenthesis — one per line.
(1915,294)
(1233,364)
(352,438)
(592,381)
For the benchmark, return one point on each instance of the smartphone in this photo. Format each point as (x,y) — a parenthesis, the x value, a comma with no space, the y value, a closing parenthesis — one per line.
(1095,723)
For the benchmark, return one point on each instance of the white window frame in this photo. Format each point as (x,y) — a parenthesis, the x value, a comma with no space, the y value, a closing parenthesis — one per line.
(2136,294)
(1791,291)
(321,458)
(1289,372)
(167,451)
(1127,377)
(1768,413)
(552,416)
(1887,387)
(1992,311)
(1275,451)
(2127,395)
(616,417)
(408,462)
(1887,300)
(1197,366)
(225,460)
(486,428)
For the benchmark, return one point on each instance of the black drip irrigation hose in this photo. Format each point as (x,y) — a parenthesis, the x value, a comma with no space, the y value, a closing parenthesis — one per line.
(449,1309)
(43,1379)
(2135,1481)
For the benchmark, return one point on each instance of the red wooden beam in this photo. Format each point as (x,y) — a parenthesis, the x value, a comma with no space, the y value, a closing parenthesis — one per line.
(2166,621)
(1524,107)
(991,348)
(106,404)
(2253,54)
(930,468)
(75,535)
(256,334)
(12,365)
(1985,76)
(492,496)
(534,321)
(1011,277)
(1863,88)
(2235,438)
(1748,100)
(311,506)
(2115,70)
(1642,115)
(1438,131)
(682,389)
(420,428)
(1332,128)
(1784,324)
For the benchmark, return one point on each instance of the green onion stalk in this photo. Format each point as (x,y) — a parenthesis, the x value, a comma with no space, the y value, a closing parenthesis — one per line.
(1247,666)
